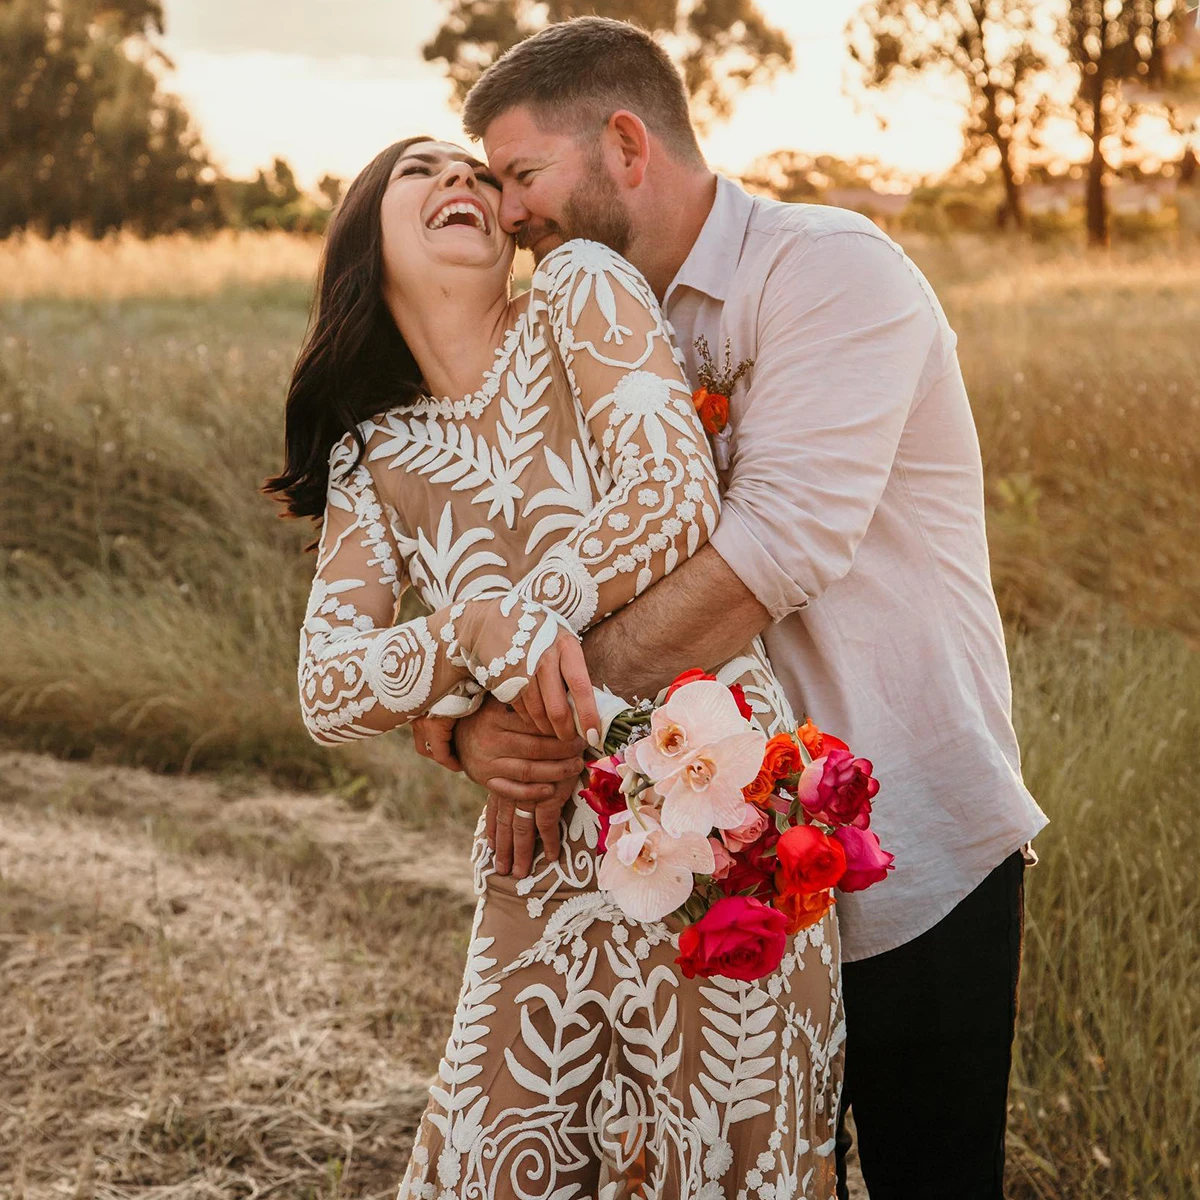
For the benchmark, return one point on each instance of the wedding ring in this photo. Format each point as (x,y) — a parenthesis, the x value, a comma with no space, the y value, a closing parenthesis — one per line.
(523,812)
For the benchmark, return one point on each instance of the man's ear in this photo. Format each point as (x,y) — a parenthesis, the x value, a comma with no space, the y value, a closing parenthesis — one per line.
(629,146)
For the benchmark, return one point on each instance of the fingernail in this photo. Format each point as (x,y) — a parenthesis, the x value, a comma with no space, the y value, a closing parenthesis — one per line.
(593,738)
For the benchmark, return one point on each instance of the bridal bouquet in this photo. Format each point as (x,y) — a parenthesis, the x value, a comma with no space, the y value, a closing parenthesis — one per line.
(744,837)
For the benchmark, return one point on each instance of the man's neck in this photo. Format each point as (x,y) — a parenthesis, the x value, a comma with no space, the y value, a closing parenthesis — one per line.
(671,223)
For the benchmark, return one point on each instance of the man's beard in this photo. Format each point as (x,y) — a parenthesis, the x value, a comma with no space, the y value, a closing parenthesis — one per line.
(593,210)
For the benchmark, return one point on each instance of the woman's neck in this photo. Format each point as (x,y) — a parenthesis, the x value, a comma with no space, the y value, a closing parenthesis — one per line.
(453,333)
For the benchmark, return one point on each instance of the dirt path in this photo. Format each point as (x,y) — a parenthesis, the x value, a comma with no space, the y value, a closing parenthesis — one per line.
(214,990)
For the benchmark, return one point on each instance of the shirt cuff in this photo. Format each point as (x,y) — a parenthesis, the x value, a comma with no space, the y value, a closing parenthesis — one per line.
(756,567)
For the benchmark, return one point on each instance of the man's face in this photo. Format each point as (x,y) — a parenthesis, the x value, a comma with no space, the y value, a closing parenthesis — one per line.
(556,186)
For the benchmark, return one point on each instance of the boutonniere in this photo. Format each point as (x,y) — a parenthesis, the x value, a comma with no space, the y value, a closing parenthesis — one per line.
(711,398)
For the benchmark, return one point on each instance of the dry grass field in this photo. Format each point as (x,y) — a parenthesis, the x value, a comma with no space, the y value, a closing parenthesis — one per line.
(228,957)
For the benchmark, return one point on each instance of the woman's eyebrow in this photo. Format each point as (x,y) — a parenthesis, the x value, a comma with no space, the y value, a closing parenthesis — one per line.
(473,163)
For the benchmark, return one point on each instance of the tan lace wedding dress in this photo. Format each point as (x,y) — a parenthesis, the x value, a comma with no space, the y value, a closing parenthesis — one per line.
(581,1063)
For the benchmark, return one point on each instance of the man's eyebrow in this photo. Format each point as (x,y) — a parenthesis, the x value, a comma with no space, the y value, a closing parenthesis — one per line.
(516,165)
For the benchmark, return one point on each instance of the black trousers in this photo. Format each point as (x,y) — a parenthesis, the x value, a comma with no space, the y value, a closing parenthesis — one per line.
(929,1032)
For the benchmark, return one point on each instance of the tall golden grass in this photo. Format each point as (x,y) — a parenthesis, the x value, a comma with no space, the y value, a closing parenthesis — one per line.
(149,603)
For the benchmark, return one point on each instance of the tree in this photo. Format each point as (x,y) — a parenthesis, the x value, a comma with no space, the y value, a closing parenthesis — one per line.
(996,48)
(796,177)
(721,46)
(86,137)
(1114,43)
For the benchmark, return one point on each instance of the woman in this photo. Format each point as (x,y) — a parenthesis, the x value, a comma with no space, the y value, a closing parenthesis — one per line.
(560,473)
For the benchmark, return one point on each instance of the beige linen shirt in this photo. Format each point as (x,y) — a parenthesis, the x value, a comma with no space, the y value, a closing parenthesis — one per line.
(853,511)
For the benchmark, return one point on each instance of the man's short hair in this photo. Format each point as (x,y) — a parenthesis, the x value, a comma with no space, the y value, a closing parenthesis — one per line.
(576,74)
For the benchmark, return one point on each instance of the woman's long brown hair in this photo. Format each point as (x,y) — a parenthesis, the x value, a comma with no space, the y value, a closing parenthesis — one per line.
(354,363)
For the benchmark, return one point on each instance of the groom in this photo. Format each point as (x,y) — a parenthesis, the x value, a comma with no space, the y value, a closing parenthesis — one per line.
(852,536)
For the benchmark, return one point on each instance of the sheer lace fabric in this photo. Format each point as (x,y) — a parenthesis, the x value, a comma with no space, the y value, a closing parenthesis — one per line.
(581,1063)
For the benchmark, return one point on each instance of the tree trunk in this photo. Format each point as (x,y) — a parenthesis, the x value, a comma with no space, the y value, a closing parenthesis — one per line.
(1097,194)
(1014,202)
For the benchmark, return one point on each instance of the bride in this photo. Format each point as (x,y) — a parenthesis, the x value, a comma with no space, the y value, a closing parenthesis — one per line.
(529,464)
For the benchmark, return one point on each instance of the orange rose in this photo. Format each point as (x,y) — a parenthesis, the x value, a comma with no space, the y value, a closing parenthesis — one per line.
(759,792)
(816,742)
(803,910)
(713,409)
(782,758)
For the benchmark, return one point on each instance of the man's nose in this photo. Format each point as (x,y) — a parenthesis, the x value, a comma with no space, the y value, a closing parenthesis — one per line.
(513,214)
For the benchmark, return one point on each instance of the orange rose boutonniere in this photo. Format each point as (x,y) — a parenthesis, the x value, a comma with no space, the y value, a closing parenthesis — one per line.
(711,398)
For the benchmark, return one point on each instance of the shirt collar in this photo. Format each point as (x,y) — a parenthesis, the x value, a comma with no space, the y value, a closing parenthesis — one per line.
(714,255)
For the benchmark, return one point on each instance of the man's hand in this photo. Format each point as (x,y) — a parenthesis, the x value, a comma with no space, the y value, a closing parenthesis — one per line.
(525,772)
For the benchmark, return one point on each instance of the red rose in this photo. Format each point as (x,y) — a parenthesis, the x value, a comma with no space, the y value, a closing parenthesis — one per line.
(603,795)
(837,789)
(737,938)
(753,869)
(809,861)
(739,698)
(691,675)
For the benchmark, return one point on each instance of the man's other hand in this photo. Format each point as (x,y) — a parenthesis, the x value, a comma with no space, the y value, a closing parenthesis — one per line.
(524,772)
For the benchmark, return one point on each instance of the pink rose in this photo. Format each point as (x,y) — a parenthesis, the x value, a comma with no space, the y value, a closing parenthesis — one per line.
(737,938)
(747,833)
(866,861)
(603,795)
(837,788)
(723,858)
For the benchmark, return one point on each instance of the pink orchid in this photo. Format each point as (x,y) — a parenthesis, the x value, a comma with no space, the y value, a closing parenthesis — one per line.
(699,754)
(646,870)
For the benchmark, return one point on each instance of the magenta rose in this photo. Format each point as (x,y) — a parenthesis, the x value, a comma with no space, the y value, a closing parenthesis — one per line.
(837,789)
(603,795)
(867,862)
(737,938)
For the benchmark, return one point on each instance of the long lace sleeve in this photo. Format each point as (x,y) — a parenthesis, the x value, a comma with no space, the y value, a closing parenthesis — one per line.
(660,499)
(360,674)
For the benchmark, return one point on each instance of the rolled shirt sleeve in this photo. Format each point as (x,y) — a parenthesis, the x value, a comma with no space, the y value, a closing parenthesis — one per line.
(847,341)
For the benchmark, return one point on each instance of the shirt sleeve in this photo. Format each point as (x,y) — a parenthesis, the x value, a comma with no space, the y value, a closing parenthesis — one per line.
(845,331)
(659,497)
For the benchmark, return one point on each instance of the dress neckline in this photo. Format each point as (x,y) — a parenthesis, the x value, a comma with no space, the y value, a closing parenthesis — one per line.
(475,403)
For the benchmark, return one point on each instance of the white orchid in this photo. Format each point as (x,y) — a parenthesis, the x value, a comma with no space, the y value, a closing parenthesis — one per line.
(699,754)
(648,871)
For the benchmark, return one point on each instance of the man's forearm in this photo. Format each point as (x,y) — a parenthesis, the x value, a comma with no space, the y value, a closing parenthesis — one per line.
(698,616)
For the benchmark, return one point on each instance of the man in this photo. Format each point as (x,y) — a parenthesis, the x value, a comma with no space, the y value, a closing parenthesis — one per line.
(852,534)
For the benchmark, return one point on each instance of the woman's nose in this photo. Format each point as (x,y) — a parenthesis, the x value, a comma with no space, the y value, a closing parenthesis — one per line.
(459,175)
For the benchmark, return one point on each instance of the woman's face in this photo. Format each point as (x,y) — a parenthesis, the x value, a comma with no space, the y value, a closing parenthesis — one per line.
(441,210)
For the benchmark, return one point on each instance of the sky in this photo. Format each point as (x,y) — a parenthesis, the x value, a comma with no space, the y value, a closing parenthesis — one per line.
(327,84)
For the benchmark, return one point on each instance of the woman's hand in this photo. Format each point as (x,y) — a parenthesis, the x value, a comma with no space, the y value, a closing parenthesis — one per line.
(434,739)
(561,672)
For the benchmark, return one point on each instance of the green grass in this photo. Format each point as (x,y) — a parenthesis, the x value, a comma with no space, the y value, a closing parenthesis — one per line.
(150,601)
